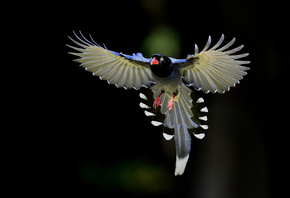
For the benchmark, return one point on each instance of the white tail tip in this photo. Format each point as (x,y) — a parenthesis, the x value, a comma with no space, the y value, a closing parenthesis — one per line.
(144,106)
(205,127)
(147,113)
(204,118)
(180,165)
(200,100)
(167,136)
(143,96)
(156,123)
(199,136)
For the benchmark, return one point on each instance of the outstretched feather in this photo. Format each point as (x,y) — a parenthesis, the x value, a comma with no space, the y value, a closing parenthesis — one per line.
(117,68)
(214,69)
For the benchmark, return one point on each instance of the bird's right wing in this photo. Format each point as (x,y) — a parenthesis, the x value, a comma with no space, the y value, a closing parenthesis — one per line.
(117,68)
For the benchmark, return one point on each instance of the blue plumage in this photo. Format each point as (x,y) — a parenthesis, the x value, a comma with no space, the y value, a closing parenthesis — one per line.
(139,57)
(135,57)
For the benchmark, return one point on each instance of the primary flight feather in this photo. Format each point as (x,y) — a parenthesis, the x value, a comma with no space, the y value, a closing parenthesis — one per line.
(214,69)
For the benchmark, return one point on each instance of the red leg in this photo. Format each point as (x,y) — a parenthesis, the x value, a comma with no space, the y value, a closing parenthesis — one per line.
(157,101)
(170,103)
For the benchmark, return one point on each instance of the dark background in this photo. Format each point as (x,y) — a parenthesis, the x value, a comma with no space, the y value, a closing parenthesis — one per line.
(99,143)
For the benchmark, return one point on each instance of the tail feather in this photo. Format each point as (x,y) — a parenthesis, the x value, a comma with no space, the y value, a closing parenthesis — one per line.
(184,118)
(164,100)
(180,165)
(182,142)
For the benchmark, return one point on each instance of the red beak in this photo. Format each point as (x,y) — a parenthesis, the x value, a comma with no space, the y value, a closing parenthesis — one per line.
(154,61)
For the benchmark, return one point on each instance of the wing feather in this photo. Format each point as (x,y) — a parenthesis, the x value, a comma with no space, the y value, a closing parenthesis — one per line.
(123,78)
(142,76)
(117,68)
(214,69)
(207,45)
(218,43)
(118,76)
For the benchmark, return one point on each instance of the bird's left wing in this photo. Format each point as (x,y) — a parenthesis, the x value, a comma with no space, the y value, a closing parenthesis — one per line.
(117,68)
(213,70)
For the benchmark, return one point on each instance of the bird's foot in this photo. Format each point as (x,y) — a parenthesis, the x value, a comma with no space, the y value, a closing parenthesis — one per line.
(157,101)
(170,103)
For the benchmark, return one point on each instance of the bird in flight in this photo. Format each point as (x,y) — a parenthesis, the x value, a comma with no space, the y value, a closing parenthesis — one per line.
(214,69)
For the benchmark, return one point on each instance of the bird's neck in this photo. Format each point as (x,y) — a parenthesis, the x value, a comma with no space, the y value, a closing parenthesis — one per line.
(162,71)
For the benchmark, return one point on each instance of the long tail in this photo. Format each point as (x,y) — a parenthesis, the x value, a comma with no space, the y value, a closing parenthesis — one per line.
(185,114)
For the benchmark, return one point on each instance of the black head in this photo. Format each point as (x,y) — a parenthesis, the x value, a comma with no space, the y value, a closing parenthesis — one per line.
(161,65)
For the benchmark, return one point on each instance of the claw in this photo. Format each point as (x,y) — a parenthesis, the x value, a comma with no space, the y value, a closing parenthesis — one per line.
(170,103)
(156,103)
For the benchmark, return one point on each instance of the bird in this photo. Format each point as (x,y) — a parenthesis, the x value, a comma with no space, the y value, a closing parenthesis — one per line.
(172,82)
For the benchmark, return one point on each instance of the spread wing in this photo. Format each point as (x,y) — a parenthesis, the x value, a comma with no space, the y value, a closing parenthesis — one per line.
(117,68)
(214,70)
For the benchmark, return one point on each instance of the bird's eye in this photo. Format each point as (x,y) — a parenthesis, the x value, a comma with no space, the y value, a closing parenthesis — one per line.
(161,59)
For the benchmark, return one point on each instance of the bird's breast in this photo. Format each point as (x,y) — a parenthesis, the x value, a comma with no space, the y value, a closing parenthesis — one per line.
(170,84)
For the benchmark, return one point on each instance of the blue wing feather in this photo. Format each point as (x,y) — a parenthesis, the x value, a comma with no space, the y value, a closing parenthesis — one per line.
(135,57)
(175,61)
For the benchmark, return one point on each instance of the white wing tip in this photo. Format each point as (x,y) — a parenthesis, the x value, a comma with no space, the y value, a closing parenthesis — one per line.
(167,136)
(180,165)
(204,109)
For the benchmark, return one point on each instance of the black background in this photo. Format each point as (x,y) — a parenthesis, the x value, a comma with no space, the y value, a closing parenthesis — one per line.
(92,138)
